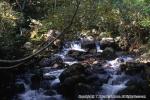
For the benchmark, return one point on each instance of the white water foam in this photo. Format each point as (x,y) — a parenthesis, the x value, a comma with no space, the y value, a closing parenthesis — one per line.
(117,82)
(38,95)
(98,48)
(54,73)
(76,46)
(118,61)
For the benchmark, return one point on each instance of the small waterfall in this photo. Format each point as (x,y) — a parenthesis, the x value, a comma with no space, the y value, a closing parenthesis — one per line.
(75,45)
(116,82)
(98,48)
(54,73)
(39,94)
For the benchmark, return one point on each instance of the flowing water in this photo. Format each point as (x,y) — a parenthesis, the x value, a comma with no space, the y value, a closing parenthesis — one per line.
(116,82)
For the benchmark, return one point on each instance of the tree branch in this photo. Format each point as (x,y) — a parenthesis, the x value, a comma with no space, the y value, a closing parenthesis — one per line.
(20,61)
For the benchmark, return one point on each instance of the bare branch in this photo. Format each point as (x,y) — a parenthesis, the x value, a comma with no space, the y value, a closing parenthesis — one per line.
(20,61)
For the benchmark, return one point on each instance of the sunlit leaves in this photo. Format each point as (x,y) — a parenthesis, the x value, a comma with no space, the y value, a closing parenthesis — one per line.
(145,22)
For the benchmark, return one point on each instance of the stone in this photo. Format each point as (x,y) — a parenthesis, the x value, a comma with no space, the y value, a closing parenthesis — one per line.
(49,77)
(140,88)
(58,43)
(45,62)
(132,68)
(36,81)
(75,53)
(74,69)
(19,88)
(68,85)
(83,89)
(100,78)
(50,92)
(109,42)
(108,53)
(28,45)
(79,79)
(57,62)
(88,45)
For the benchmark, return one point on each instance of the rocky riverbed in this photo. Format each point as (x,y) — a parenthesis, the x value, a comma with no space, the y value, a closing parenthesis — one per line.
(84,67)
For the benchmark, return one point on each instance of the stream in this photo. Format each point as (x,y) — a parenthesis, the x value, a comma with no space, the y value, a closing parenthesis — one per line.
(117,79)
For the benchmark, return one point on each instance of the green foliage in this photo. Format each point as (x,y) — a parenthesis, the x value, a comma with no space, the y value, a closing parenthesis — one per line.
(9,38)
(145,22)
(116,17)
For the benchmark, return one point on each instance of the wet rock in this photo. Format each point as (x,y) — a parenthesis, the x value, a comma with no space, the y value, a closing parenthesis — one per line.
(55,62)
(102,78)
(82,89)
(88,45)
(56,86)
(58,43)
(70,78)
(45,62)
(49,77)
(28,45)
(74,69)
(87,39)
(108,42)
(97,69)
(75,53)
(36,81)
(108,53)
(84,57)
(136,88)
(45,84)
(19,88)
(136,81)
(89,61)
(80,79)
(50,92)
(132,68)
(92,51)
(68,86)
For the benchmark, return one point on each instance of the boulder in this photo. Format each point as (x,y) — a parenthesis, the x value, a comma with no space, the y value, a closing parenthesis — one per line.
(79,79)
(132,68)
(55,62)
(57,44)
(45,62)
(49,77)
(28,45)
(108,42)
(97,79)
(19,88)
(36,81)
(68,86)
(74,69)
(88,44)
(108,53)
(75,53)
(83,89)
(136,88)
(50,92)
(85,57)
